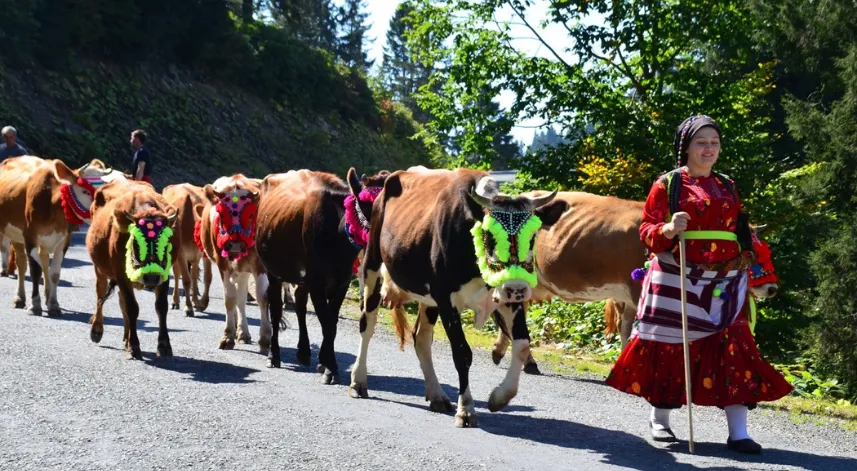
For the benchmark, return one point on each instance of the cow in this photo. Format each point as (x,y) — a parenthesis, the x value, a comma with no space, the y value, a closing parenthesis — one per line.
(227,232)
(590,254)
(42,201)
(450,240)
(190,201)
(132,242)
(306,237)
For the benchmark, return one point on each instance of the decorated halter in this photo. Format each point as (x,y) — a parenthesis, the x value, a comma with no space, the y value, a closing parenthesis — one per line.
(74,210)
(512,238)
(762,271)
(236,222)
(148,249)
(356,223)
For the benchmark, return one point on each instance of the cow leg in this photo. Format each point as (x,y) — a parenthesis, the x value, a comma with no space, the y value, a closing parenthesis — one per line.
(423,339)
(359,381)
(264,317)
(5,246)
(54,275)
(186,284)
(462,356)
(288,300)
(502,394)
(176,276)
(130,313)
(327,353)
(21,259)
(206,280)
(193,270)
(502,342)
(627,324)
(33,257)
(96,322)
(275,304)
(243,335)
(230,293)
(301,299)
(165,350)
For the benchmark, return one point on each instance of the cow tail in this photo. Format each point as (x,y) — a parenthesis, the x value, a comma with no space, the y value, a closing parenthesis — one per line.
(611,316)
(400,323)
(110,288)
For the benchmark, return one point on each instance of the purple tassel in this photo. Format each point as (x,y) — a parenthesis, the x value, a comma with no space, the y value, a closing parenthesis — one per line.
(638,274)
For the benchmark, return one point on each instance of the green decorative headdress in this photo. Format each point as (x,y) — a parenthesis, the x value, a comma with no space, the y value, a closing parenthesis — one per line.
(148,249)
(511,236)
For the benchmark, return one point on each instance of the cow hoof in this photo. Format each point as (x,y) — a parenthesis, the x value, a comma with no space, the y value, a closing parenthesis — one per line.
(175,307)
(202,305)
(358,391)
(496,357)
(304,359)
(20,303)
(441,404)
(188,312)
(320,368)
(465,419)
(95,336)
(329,377)
(289,306)
(165,351)
(532,369)
(245,339)
(498,400)
(227,344)
(54,311)
(264,345)
(34,311)
(134,354)
(3,274)
(273,363)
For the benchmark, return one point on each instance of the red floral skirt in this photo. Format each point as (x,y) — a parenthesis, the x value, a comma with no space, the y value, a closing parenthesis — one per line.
(726,369)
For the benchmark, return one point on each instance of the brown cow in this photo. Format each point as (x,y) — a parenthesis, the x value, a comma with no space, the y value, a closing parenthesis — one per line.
(423,241)
(132,246)
(42,202)
(304,238)
(227,234)
(190,200)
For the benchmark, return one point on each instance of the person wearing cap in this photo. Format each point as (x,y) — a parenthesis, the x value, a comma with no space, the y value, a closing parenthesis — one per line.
(10,146)
(141,166)
(727,370)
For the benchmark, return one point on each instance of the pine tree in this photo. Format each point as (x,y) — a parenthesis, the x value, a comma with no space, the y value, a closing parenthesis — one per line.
(401,75)
(352,37)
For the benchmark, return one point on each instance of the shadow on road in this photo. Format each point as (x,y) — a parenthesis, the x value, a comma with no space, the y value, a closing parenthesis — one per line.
(142,324)
(204,371)
(70,262)
(770,456)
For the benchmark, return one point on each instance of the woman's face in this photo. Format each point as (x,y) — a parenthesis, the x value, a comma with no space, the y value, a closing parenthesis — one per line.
(704,149)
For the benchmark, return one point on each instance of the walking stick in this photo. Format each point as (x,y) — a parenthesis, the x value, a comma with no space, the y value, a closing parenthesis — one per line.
(682,270)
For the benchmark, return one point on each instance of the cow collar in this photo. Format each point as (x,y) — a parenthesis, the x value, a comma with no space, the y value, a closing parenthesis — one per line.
(74,211)
(762,271)
(356,223)
(235,220)
(148,250)
(512,234)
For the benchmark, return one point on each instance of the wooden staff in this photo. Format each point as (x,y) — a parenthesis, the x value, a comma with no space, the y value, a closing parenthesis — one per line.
(682,273)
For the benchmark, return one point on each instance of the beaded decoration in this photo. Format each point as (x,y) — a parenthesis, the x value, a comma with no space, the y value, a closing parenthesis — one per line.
(74,210)
(236,222)
(148,249)
(512,236)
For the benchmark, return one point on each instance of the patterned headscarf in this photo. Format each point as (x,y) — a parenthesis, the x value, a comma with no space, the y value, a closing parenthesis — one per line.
(685,132)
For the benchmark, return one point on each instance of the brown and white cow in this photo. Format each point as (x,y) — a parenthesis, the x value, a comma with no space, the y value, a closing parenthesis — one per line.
(423,243)
(227,235)
(132,244)
(304,238)
(42,202)
(589,255)
(190,200)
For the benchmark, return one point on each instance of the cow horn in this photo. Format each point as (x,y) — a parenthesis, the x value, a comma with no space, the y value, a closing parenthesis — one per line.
(543,200)
(172,217)
(130,216)
(483,201)
(83,168)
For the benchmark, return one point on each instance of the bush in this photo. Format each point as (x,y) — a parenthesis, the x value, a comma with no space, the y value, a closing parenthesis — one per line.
(577,327)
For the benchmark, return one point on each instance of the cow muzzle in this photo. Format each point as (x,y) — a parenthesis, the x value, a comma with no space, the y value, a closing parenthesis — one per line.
(513,292)
(767,290)
(151,280)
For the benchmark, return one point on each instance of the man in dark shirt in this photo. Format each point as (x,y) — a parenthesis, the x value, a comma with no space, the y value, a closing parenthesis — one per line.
(10,147)
(141,167)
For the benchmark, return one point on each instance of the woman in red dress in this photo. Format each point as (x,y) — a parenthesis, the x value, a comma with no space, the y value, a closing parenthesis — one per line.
(727,370)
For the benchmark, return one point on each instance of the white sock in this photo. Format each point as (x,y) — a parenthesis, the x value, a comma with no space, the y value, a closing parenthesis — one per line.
(660,418)
(736,416)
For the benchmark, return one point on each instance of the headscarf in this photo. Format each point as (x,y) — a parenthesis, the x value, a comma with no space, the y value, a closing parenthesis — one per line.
(685,132)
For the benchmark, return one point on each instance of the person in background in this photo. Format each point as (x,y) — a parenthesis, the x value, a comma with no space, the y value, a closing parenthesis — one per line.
(141,166)
(10,146)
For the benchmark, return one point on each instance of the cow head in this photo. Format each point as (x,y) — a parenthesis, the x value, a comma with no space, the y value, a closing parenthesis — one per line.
(505,237)
(763,279)
(236,205)
(358,205)
(148,253)
(77,188)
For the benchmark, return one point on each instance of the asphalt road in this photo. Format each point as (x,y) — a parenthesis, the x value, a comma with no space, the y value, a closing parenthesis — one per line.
(67,403)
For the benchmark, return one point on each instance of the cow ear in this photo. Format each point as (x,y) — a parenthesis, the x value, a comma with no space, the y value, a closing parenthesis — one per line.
(212,195)
(473,210)
(551,212)
(197,210)
(98,201)
(353,182)
(62,173)
(122,219)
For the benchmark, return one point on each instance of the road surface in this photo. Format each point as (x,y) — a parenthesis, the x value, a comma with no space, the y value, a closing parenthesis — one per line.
(69,404)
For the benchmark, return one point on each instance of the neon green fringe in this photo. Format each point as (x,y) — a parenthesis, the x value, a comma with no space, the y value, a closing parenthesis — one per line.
(163,247)
(502,250)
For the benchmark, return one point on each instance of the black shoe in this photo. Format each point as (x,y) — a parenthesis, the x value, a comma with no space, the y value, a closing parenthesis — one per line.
(746,445)
(665,435)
